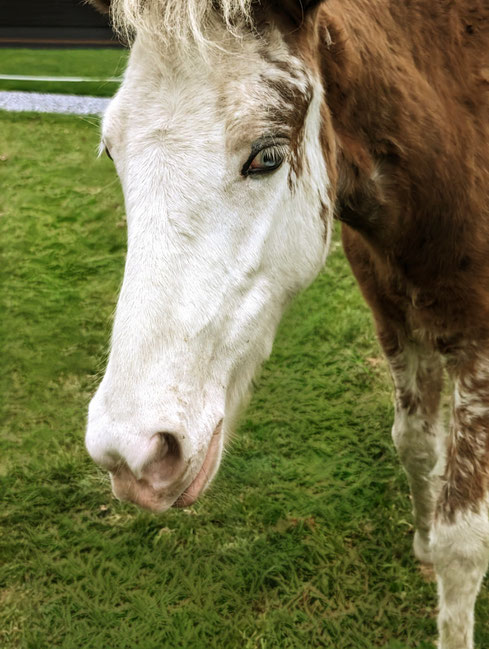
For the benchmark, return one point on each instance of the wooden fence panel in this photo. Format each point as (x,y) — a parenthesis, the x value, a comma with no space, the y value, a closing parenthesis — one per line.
(53,23)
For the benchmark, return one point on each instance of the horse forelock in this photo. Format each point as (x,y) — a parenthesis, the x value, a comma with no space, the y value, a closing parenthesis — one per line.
(181,22)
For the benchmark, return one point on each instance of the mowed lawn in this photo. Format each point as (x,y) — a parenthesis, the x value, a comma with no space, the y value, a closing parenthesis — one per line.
(303,541)
(101,65)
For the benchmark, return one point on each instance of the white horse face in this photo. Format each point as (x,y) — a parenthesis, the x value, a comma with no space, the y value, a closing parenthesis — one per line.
(226,193)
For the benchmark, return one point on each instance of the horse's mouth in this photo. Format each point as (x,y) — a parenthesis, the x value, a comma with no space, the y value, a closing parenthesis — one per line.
(205,474)
(150,495)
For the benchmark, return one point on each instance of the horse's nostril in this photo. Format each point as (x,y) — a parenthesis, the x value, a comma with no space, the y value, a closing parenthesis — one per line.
(167,463)
(169,446)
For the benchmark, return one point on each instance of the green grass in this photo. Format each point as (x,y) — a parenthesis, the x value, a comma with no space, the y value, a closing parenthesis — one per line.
(304,540)
(97,63)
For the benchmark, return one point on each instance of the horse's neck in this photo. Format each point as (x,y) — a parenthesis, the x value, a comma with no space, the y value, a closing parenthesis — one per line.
(409,123)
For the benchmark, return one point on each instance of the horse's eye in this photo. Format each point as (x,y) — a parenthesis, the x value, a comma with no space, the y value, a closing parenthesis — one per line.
(107,153)
(266,160)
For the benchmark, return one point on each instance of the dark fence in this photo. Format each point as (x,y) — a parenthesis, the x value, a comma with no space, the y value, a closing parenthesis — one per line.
(53,23)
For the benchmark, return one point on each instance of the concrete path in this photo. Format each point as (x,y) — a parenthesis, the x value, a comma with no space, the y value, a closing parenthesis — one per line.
(24,77)
(50,103)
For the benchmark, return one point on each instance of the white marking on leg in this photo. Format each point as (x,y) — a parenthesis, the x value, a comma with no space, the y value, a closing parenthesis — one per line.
(460,536)
(418,435)
(460,553)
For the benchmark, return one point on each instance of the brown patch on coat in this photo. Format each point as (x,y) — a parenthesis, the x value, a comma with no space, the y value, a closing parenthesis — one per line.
(419,391)
(305,43)
(467,467)
(296,11)
(407,91)
(292,108)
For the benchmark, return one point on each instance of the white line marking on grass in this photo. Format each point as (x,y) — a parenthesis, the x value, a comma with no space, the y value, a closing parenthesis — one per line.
(52,103)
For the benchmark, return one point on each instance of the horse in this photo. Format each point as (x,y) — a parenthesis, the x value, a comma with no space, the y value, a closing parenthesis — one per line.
(241,130)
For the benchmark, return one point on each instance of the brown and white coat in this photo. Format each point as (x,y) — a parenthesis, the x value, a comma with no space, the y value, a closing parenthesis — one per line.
(373,111)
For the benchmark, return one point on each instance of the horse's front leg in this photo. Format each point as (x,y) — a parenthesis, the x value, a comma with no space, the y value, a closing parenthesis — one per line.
(418,378)
(460,536)
(417,431)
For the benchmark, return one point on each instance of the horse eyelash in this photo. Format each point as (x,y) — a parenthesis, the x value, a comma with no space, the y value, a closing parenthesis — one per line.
(281,148)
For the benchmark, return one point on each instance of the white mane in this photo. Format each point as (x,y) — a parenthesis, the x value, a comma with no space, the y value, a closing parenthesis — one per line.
(182,21)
